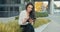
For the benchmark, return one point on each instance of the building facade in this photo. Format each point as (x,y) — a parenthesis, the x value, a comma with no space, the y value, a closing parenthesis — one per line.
(9,8)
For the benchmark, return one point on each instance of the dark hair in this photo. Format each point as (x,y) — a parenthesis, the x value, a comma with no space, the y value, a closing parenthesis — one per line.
(32,13)
(29,4)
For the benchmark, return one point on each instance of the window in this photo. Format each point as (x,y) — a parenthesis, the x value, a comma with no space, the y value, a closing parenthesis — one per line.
(9,8)
(57,7)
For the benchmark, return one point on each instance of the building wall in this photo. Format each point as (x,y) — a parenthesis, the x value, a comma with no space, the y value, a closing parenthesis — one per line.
(9,8)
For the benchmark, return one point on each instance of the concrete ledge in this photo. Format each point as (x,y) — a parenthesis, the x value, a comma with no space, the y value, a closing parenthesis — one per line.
(7,19)
(41,28)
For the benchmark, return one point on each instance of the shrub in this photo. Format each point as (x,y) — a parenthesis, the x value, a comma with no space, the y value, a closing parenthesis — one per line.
(41,14)
(17,17)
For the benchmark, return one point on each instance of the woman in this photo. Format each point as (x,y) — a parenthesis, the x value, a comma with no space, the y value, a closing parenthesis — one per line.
(27,18)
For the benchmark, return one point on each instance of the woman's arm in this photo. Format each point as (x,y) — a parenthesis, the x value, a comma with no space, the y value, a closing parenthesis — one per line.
(22,18)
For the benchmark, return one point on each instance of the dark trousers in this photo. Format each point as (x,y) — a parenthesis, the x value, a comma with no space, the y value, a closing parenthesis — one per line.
(27,28)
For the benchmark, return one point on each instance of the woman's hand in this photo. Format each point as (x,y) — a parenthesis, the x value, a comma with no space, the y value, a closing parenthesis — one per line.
(31,21)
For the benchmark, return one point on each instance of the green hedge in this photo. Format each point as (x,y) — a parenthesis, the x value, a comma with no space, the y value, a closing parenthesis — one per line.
(41,14)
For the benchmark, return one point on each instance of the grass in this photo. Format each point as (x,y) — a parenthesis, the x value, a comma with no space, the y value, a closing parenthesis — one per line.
(41,21)
(12,26)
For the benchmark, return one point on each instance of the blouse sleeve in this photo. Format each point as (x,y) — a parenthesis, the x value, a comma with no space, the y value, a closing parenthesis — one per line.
(21,17)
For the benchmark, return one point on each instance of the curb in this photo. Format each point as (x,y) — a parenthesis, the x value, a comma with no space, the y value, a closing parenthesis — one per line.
(41,28)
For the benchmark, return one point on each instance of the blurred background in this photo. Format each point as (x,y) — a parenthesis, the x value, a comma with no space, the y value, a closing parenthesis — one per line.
(11,8)
(46,10)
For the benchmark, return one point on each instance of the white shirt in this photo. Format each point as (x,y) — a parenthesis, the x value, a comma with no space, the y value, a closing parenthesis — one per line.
(23,15)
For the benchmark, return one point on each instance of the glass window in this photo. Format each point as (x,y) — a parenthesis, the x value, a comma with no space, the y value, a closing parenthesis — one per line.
(57,7)
(9,8)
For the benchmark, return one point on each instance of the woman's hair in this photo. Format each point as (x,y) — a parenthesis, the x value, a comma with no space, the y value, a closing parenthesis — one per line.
(32,13)
(29,4)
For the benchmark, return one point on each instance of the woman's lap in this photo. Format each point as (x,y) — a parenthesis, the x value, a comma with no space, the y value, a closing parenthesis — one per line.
(28,28)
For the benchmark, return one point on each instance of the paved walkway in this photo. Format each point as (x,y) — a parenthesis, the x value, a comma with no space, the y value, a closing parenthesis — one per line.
(55,18)
(54,25)
(39,29)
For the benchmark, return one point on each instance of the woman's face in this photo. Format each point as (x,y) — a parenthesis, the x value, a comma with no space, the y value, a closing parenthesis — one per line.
(29,8)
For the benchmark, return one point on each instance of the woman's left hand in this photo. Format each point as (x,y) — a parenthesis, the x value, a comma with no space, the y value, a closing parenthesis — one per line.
(31,21)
